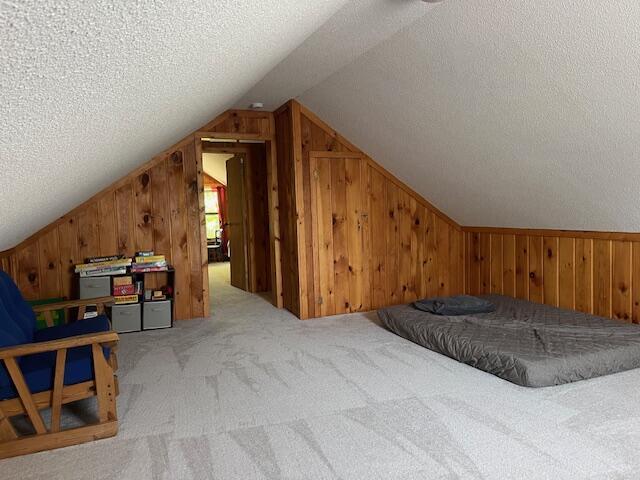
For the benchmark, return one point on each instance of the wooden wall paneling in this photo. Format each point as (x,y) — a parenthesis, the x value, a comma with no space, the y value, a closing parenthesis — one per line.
(378,217)
(131,210)
(496,264)
(323,234)
(621,281)
(466,262)
(431,260)
(602,252)
(160,219)
(88,234)
(48,259)
(536,269)
(68,251)
(443,246)
(193,216)
(274,220)
(287,209)
(142,212)
(509,265)
(406,284)
(125,222)
(304,264)
(28,271)
(522,266)
(306,146)
(474,263)
(485,264)
(550,269)
(365,227)
(392,280)
(418,260)
(340,235)
(161,224)
(258,218)
(204,255)
(584,275)
(635,282)
(566,273)
(405,259)
(179,237)
(108,231)
(355,183)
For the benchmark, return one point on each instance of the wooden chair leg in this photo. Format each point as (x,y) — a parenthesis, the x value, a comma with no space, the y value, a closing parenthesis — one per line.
(25,395)
(58,385)
(6,429)
(105,385)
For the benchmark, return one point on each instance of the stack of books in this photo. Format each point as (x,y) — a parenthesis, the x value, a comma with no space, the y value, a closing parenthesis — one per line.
(124,290)
(149,262)
(100,266)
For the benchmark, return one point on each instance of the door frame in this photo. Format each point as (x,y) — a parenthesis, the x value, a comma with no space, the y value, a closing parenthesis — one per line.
(272,192)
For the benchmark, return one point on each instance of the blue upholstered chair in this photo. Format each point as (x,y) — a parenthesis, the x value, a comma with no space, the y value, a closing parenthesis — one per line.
(50,367)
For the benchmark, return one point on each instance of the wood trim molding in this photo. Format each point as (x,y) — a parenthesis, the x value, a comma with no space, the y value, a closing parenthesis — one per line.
(540,232)
(321,154)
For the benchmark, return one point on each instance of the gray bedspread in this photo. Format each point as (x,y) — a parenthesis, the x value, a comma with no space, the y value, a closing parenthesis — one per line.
(525,343)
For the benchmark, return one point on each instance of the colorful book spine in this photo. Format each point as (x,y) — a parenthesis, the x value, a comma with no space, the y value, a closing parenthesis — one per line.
(109,258)
(127,280)
(123,299)
(149,269)
(151,259)
(124,289)
(104,272)
(108,264)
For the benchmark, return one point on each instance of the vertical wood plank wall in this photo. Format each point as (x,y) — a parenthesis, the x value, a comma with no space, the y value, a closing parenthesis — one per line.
(135,213)
(287,209)
(256,191)
(360,237)
(592,272)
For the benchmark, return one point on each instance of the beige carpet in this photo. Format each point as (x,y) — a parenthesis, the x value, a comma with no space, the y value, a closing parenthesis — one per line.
(253,393)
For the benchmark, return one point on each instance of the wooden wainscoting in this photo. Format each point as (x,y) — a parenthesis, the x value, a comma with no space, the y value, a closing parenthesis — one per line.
(137,213)
(593,272)
(359,239)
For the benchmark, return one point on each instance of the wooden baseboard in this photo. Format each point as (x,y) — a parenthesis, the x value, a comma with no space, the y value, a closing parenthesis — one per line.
(50,441)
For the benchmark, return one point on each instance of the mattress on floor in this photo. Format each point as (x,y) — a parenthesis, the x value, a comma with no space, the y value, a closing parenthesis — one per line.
(525,343)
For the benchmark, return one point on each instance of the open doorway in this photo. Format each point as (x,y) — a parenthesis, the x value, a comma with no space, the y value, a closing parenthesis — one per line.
(237,215)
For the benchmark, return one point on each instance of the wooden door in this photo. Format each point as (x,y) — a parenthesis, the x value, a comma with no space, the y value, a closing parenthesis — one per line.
(340,225)
(236,222)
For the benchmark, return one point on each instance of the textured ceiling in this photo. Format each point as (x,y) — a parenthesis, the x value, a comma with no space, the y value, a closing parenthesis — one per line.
(503,113)
(354,29)
(90,90)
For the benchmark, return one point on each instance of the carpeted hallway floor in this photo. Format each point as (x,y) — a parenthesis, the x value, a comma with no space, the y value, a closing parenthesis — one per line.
(253,393)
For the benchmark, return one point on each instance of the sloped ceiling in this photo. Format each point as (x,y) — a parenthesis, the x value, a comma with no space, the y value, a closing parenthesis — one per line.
(502,113)
(90,90)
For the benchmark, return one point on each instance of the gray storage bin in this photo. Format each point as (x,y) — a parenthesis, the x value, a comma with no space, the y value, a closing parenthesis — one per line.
(126,318)
(92,287)
(156,315)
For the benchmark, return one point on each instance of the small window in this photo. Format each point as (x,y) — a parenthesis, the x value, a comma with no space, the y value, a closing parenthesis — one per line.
(211,213)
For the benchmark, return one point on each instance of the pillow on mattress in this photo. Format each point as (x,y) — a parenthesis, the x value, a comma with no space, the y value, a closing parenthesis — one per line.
(458,305)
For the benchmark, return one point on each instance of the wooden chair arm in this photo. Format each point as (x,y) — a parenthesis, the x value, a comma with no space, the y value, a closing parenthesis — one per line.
(72,304)
(53,345)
